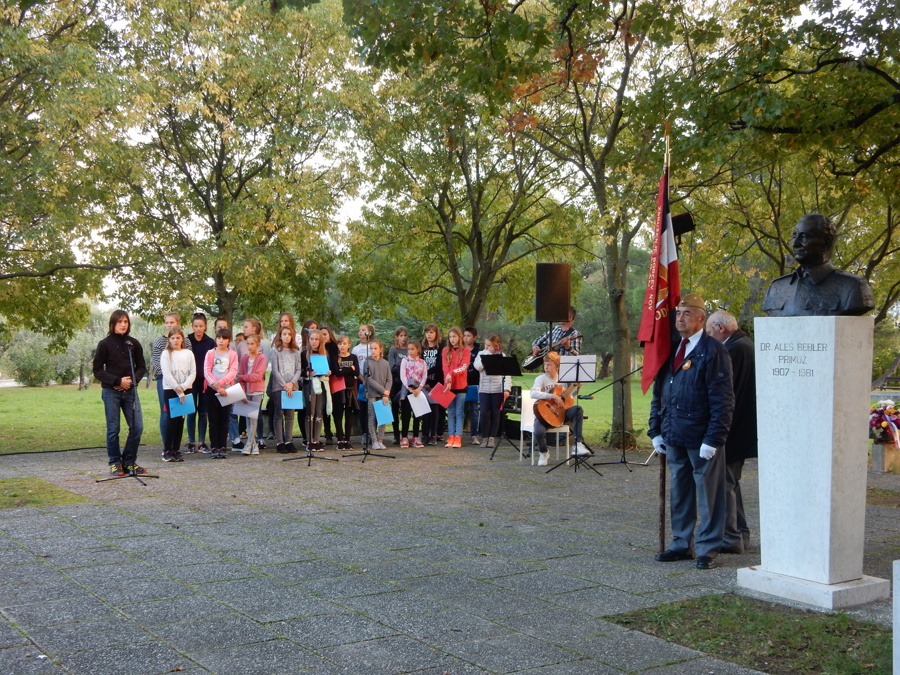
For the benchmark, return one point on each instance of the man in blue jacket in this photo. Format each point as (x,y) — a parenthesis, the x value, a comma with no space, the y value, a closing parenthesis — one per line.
(693,403)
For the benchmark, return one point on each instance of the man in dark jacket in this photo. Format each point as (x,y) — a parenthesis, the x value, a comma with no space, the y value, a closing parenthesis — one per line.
(690,415)
(119,366)
(741,443)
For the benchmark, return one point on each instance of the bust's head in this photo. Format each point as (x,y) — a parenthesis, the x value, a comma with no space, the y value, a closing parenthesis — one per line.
(813,240)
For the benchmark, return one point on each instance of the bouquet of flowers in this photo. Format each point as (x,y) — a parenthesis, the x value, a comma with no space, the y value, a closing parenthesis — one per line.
(883,422)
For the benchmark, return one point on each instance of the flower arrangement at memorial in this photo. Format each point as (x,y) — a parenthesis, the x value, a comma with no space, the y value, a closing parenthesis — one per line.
(883,422)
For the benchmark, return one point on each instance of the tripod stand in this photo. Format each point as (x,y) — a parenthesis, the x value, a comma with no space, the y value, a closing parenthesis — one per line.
(622,459)
(312,411)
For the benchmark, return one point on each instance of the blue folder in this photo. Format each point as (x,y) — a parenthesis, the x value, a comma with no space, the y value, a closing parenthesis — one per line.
(294,402)
(319,364)
(178,409)
(383,414)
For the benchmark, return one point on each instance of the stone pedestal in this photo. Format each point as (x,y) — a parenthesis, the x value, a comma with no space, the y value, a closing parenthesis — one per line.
(812,381)
(885,458)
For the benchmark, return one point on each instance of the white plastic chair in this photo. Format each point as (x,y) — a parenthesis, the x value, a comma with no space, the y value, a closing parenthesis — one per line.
(528,426)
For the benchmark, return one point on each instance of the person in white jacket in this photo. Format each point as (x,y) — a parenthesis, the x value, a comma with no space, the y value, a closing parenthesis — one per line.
(493,390)
(179,369)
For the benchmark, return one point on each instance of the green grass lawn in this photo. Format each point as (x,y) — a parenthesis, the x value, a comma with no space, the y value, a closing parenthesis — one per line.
(36,419)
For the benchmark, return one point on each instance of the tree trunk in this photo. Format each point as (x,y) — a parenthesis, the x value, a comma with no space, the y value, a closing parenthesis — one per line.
(616,270)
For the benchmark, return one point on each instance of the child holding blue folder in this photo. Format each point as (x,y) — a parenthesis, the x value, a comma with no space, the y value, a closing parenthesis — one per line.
(178,372)
(378,388)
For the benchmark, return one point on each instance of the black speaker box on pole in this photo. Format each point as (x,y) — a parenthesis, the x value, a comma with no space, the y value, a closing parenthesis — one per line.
(552,288)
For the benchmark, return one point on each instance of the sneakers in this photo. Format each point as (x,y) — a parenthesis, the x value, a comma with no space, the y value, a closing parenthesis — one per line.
(432,440)
(168,457)
(218,453)
(581,449)
(542,458)
(417,443)
(456,441)
(491,442)
(476,440)
(238,446)
(178,457)
(247,451)
(404,442)
(204,448)
(190,448)
(117,470)
(291,448)
(449,443)
(261,444)
(135,469)
(281,448)
(254,450)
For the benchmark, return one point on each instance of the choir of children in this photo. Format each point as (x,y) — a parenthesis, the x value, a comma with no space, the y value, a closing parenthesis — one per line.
(355,380)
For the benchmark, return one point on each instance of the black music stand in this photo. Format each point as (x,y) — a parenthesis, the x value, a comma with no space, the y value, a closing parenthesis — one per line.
(506,366)
(581,368)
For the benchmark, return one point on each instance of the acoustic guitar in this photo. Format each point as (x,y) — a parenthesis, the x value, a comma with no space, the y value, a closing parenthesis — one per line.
(549,412)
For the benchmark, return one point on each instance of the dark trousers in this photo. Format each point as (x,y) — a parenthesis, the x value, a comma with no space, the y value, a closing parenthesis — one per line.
(129,405)
(490,414)
(175,426)
(696,485)
(219,417)
(405,413)
(737,532)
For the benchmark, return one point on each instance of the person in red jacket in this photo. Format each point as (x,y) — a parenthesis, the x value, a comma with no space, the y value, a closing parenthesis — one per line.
(455,359)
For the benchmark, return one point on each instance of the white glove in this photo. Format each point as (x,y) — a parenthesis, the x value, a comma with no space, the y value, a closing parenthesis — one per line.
(659,445)
(707,451)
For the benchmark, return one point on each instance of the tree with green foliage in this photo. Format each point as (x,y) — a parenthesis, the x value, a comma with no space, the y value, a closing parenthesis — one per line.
(460,210)
(229,176)
(56,105)
(576,80)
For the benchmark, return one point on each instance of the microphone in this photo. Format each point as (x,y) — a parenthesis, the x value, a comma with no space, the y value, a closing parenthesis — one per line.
(367,334)
(129,344)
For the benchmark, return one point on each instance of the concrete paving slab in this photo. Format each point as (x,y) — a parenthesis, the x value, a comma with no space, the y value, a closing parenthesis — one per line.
(488,561)
(511,653)
(391,655)
(84,635)
(331,630)
(275,657)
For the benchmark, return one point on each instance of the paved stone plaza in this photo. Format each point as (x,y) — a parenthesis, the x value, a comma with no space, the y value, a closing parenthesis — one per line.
(438,561)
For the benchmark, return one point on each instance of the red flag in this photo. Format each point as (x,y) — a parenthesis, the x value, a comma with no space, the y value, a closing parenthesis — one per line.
(663,290)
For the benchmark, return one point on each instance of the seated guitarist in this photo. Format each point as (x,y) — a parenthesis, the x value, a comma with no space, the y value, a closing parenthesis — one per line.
(563,338)
(543,389)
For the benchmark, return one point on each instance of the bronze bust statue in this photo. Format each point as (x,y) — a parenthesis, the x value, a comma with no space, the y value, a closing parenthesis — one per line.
(816,288)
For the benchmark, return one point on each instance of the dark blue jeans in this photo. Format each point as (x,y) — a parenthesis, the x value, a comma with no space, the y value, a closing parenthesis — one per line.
(129,405)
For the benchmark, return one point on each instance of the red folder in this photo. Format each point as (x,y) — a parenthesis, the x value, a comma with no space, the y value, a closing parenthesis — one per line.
(440,395)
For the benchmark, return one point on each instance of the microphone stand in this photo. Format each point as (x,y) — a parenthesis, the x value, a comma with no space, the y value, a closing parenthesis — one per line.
(622,459)
(312,400)
(135,406)
(366,435)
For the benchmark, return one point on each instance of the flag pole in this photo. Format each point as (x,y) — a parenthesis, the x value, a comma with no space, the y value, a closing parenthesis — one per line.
(662,458)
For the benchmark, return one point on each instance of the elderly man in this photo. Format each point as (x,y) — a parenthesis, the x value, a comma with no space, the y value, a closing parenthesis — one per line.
(816,288)
(741,443)
(690,415)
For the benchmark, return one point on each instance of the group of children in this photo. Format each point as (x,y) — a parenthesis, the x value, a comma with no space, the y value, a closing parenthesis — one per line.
(352,385)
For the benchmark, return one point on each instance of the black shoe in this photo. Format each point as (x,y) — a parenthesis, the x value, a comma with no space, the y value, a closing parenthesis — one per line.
(671,556)
(237,446)
(291,448)
(704,562)
(281,449)
(732,549)
(178,457)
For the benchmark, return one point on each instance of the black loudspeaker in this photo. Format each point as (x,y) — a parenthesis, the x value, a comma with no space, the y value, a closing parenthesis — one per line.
(552,288)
